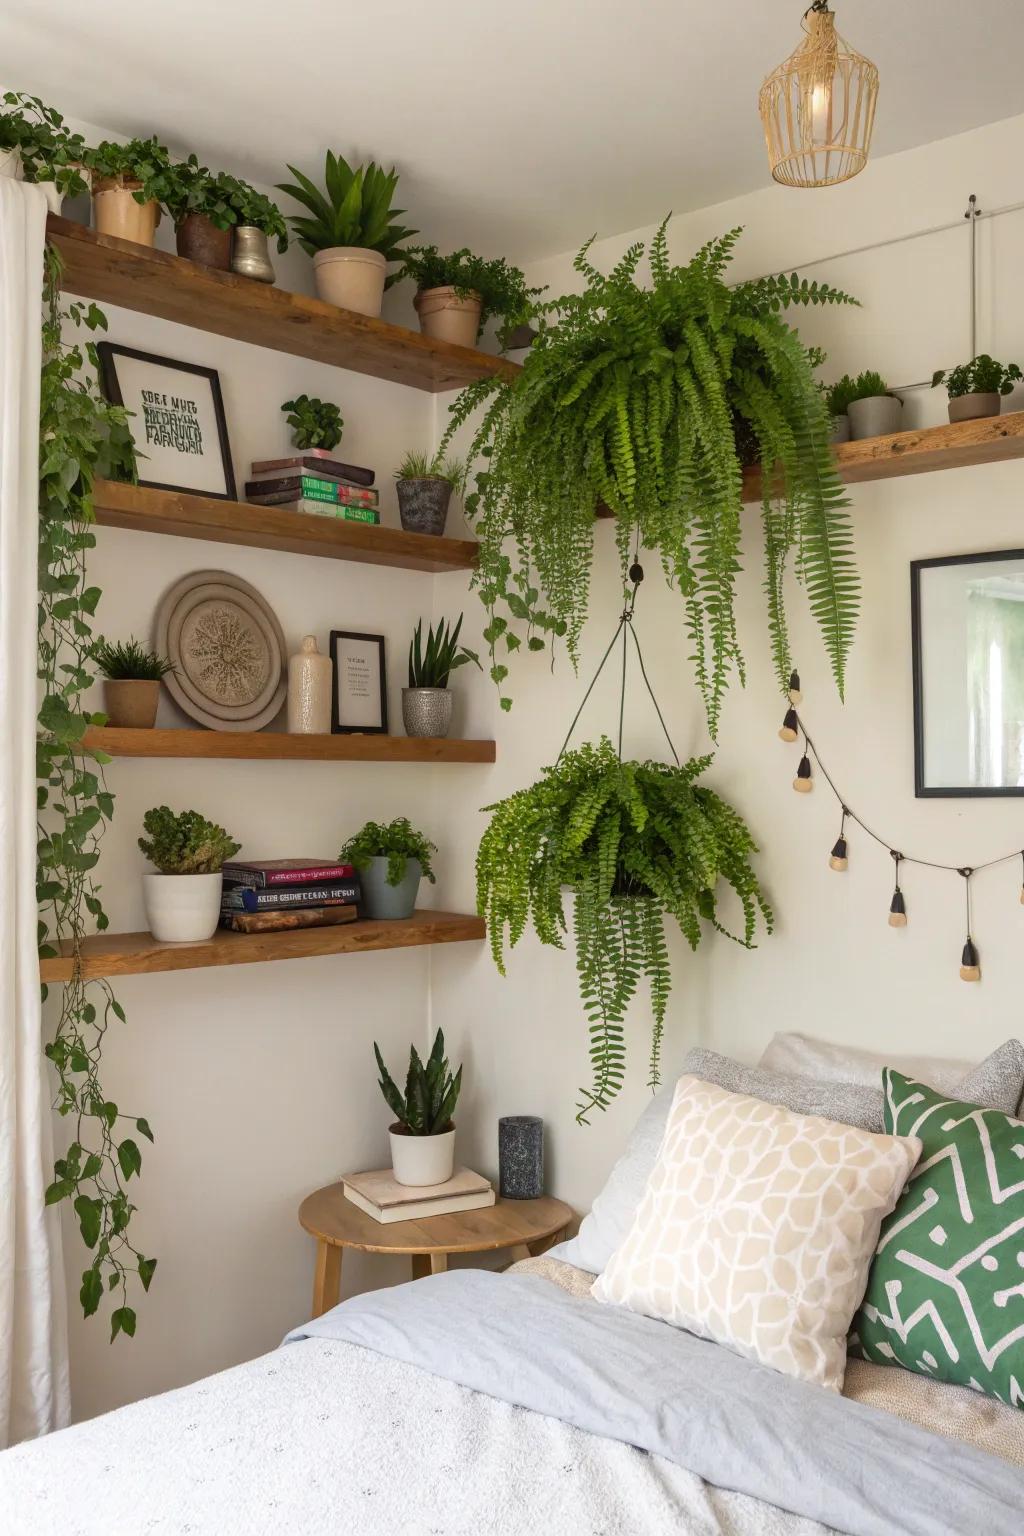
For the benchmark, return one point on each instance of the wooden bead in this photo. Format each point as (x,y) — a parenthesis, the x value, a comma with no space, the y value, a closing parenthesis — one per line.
(803,786)
(970,973)
(897,919)
(838,864)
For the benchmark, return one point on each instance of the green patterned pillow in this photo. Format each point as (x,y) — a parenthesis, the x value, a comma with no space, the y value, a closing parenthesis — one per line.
(945,1295)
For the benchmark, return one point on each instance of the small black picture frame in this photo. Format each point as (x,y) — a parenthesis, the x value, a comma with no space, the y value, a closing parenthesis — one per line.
(924,789)
(181,438)
(359,700)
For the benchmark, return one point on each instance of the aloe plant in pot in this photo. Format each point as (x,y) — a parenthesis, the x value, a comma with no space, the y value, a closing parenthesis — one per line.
(427,702)
(423,1135)
(391,858)
(183,898)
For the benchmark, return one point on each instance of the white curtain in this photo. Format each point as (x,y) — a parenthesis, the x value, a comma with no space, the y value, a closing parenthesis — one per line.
(34,1394)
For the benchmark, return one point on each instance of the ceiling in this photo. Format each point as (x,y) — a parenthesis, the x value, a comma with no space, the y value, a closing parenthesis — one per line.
(518,128)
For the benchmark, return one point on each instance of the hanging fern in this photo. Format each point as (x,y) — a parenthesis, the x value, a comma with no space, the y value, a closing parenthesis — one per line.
(642,399)
(635,843)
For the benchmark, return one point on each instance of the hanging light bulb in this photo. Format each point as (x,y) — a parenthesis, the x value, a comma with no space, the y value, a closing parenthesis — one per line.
(818,108)
(970,967)
(897,907)
(795,696)
(788,732)
(803,783)
(838,859)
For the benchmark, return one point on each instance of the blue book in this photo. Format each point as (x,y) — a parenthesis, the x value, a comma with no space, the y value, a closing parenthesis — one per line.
(282,899)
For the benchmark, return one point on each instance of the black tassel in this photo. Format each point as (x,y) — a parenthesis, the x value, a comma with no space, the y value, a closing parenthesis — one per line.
(794,688)
(803,783)
(897,910)
(970,969)
(789,728)
(838,858)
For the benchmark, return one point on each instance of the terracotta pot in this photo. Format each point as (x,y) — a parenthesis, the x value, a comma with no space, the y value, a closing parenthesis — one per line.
(446,317)
(199,239)
(132,702)
(968,407)
(875,416)
(351,277)
(423,504)
(115,211)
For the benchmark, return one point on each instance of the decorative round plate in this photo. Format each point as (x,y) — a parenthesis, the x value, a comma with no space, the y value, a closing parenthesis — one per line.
(227,650)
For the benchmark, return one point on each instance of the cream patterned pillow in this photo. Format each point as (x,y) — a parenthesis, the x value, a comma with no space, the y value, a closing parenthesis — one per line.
(758,1227)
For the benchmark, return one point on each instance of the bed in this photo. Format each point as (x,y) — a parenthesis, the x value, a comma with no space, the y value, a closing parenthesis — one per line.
(474,1402)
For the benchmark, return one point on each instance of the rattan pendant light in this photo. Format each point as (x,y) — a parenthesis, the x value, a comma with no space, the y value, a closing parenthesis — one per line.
(818,108)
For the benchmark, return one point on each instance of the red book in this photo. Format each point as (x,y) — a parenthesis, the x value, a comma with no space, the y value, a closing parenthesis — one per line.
(258,874)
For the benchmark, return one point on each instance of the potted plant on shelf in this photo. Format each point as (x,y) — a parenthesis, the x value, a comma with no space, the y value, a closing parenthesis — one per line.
(635,843)
(258,220)
(873,409)
(975,388)
(631,395)
(131,691)
(457,294)
(314,423)
(349,232)
(837,398)
(391,860)
(203,218)
(183,899)
(423,1135)
(425,487)
(36,146)
(129,183)
(427,702)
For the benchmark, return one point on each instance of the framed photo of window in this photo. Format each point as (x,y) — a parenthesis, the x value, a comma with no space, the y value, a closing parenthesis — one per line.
(360,701)
(177,421)
(967,620)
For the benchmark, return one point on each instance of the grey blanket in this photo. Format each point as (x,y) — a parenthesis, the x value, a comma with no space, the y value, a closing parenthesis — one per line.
(735,1424)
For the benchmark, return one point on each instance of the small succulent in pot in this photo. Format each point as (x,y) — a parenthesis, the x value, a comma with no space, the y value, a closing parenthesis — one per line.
(133,674)
(391,859)
(423,1136)
(183,899)
(425,486)
(130,182)
(314,423)
(456,295)
(837,398)
(873,409)
(427,702)
(35,146)
(975,388)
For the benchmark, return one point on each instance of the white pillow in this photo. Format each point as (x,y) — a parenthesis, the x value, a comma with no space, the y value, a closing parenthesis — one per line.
(787,1052)
(758,1227)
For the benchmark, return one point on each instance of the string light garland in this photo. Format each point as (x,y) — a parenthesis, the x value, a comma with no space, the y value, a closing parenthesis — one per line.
(792,726)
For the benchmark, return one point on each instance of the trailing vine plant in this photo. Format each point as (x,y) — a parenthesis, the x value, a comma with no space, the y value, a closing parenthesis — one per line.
(644,399)
(636,843)
(82,436)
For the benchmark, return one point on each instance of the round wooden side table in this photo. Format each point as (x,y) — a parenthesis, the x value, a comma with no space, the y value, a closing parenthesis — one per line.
(526,1227)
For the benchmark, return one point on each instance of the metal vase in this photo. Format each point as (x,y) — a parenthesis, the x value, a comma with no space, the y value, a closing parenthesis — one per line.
(427,711)
(251,255)
(423,504)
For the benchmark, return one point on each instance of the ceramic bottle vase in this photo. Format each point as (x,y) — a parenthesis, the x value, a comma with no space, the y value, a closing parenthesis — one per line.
(309,691)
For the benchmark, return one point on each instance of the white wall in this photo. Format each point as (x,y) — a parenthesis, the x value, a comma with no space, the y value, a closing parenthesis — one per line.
(833,967)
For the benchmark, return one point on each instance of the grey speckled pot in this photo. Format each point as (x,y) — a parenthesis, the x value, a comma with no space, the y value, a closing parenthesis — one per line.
(423,504)
(381,900)
(427,711)
(875,416)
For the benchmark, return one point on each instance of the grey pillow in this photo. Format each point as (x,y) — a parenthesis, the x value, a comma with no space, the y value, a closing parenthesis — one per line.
(997,1082)
(849,1103)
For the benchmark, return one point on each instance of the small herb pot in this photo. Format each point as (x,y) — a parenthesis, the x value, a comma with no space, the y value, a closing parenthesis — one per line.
(427,711)
(351,277)
(250,255)
(182,909)
(875,416)
(968,407)
(199,240)
(131,702)
(446,317)
(384,901)
(840,432)
(421,1160)
(423,504)
(115,211)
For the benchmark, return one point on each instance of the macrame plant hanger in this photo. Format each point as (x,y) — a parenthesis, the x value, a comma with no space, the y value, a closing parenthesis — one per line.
(625,628)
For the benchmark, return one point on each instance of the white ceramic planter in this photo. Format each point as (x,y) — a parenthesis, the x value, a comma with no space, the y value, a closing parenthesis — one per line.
(182,909)
(420,1160)
(446,317)
(351,277)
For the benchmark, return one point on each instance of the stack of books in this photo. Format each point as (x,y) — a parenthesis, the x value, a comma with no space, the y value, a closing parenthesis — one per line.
(382,1197)
(267,895)
(312,481)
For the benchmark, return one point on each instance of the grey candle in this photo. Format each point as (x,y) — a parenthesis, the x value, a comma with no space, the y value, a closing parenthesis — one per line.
(520,1157)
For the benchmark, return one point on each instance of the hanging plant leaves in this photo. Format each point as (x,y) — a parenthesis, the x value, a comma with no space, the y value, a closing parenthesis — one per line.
(649,400)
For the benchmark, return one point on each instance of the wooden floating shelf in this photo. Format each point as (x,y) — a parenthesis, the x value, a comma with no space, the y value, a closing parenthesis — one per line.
(988,440)
(156,283)
(145,510)
(277,746)
(136,954)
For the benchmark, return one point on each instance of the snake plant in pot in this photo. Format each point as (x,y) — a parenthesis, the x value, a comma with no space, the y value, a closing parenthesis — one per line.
(423,1135)
(635,843)
(637,398)
(427,702)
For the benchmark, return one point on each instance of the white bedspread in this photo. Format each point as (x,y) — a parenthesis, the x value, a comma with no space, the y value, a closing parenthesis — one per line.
(328,1437)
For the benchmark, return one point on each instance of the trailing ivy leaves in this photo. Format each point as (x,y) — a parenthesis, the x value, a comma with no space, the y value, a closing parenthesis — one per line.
(642,399)
(635,843)
(82,436)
